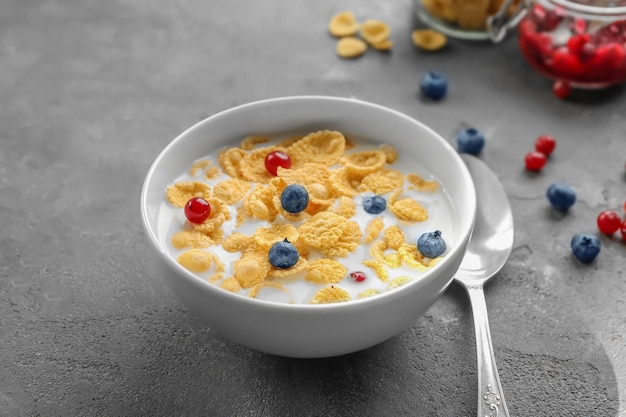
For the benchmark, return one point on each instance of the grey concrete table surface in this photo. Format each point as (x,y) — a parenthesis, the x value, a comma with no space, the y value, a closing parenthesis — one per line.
(93,90)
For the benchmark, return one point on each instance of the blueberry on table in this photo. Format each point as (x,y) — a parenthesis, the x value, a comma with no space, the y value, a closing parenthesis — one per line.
(561,196)
(294,198)
(431,244)
(374,204)
(283,255)
(470,140)
(434,85)
(585,247)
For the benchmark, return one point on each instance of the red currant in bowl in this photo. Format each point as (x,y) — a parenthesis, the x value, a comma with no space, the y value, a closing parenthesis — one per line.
(276,159)
(197,210)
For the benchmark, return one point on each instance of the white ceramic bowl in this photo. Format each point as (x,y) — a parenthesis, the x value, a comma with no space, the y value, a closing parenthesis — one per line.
(298,330)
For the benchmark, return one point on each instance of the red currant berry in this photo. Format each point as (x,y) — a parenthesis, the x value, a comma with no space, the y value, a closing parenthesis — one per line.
(197,210)
(609,222)
(535,161)
(561,89)
(622,230)
(545,144)
(276,159)
(358,276)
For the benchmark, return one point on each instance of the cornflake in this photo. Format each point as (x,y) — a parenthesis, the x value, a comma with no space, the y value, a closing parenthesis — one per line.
(420,184)
(373,229)
(331,234)
(265,237)
(181,192)
(325,270)
(378,267)
(343,24)
(393,237)
(407,209)
(196,260)
(251,269)
(382,181)
(375,33)
(351,47)
(232,190)
(330,295)
(251,141)
(363,163)
(191,239)
(231,284)
(428,39)
(229,160)
(254,291)
(323,147)
(199,166)
(398,282)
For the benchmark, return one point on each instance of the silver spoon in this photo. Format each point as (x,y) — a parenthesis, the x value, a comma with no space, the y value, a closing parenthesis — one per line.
(487,252)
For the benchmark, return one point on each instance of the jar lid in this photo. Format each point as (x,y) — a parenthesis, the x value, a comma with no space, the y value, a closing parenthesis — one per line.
(598,9)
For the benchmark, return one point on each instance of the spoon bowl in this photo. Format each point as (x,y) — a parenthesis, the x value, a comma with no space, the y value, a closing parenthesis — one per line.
(492,239)
(489,249)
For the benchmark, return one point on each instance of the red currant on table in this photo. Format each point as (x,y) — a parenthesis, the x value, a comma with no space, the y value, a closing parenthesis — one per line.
(276,159)
(197,210)
(561,89)
(609,222)
(622,230)
(545,144)
(535,161)
(358,276)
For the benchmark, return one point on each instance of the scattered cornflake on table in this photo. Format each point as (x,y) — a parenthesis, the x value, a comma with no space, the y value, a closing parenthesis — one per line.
(428,39)
(343,24)
(355,37)
(351,47)
(376,34)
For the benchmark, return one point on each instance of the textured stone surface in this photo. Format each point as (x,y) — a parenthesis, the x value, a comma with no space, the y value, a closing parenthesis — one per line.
(93,90)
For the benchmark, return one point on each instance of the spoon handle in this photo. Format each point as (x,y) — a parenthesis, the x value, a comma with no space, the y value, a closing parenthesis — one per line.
(490,396)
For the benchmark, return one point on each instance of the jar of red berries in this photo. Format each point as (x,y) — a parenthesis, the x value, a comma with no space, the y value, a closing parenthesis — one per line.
(578,42)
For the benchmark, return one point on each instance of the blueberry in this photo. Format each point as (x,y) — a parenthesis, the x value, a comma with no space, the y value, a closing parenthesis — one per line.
(431,244)
(470,140)
(561,196)
(434,85)
(294,198)
(374,204)
(283,255)
(585,247)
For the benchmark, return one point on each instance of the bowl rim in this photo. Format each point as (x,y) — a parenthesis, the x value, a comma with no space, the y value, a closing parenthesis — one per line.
(380,298)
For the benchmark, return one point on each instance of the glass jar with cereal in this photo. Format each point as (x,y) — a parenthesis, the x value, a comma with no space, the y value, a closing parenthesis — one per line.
(470,19)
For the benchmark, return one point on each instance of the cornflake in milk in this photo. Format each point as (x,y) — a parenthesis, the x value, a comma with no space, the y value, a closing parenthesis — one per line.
(337,240)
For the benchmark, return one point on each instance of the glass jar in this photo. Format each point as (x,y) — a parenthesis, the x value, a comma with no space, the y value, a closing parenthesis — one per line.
(469,19)
(580,42)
